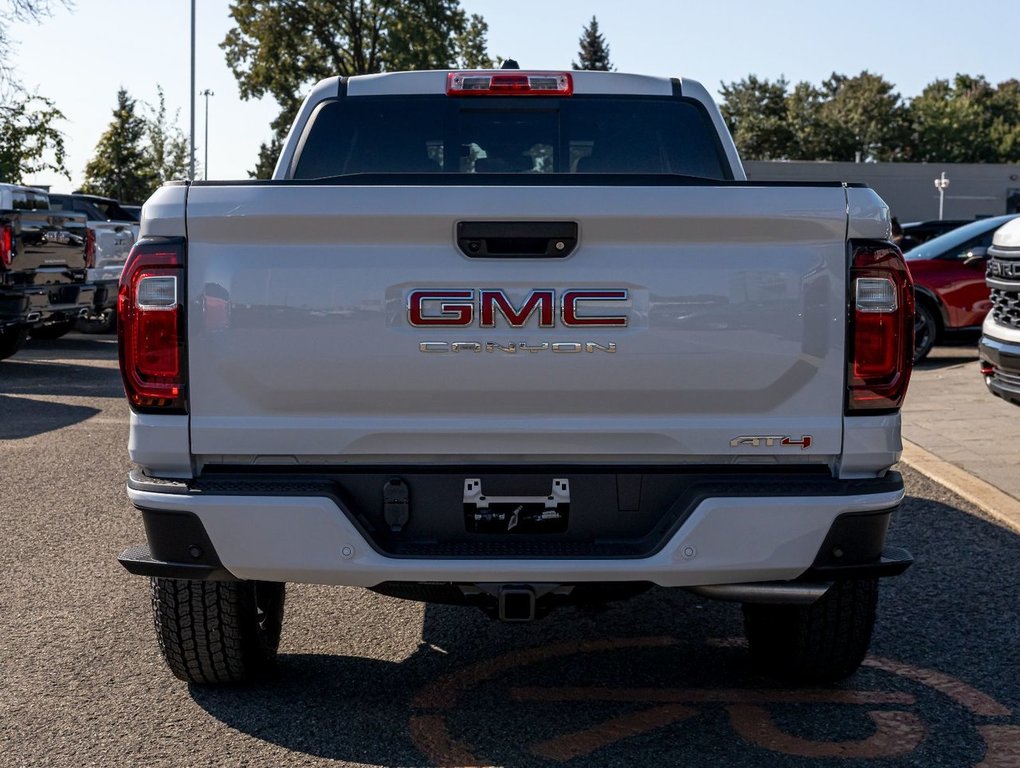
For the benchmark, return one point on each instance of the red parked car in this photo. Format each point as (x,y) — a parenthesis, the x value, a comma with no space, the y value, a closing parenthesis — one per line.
(949,280)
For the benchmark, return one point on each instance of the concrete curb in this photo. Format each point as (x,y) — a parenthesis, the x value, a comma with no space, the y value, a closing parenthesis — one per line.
(998,505)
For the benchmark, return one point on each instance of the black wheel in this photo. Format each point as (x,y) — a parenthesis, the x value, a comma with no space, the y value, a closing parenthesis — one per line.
(107,323)
(52,330)
(218,631)
(11,340)
(925,331)
(821,642)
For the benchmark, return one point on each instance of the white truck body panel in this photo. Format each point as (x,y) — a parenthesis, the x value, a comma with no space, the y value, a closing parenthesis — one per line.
(736,325)
(308,539)
(113,244)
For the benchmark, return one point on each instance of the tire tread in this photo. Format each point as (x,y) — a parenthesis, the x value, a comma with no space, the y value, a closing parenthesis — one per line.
(209,631)
(822,642)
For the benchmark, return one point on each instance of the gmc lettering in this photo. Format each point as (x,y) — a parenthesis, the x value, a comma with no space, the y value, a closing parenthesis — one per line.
(456,308)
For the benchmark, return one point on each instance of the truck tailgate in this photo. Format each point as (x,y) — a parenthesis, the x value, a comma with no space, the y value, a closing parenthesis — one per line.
(301,349)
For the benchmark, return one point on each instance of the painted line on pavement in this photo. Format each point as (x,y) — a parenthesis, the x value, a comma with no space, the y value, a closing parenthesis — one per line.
(760,718)
(997,504)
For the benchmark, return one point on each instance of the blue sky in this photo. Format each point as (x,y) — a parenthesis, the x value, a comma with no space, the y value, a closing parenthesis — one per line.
(80,58)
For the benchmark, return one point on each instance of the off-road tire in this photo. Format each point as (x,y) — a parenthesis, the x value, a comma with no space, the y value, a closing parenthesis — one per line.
(817,643)
(53,330)
(11,340)
(215,632)
(926,331)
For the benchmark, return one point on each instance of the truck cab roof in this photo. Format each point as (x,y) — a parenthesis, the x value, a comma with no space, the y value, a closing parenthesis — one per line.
(534,87)
(21,197)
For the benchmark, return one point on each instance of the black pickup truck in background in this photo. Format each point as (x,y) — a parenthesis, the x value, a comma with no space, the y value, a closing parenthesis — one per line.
(114,230)
(44,258)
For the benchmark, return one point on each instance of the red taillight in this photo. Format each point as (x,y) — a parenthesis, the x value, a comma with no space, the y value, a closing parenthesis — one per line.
(90,248)
(509,84)
(150,326)
(881,333)
(6,244)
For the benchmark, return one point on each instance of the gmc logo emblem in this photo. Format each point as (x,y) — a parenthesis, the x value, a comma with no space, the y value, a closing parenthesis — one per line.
(459,308)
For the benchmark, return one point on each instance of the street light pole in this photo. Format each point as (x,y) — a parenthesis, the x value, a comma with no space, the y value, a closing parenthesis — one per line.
(205,165)
(191,164)
(942,184)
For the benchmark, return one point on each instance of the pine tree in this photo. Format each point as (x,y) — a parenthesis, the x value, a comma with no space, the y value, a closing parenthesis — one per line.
(594,51)
(122,166)
(168,146)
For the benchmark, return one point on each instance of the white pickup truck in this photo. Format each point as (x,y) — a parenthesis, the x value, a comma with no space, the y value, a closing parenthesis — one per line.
(515,340)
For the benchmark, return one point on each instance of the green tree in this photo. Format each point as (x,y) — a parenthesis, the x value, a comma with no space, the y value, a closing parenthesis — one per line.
(269,153)
(594,50)
(847,118)
(755,111)
(29,139)
(434,34)
(122,165)
(862,118)
(1005,128)
(471,45)
(280,47)
(168,146)
(952,122)
(805,123)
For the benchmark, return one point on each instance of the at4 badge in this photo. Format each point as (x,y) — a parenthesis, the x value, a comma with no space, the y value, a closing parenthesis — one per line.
(770,441)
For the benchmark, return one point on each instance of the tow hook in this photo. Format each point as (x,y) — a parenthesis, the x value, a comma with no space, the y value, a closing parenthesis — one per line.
(516,603)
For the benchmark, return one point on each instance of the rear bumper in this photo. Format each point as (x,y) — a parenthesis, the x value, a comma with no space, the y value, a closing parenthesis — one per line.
(40,304)
(1004,358)
(724,539)
(105,298)
(13,308)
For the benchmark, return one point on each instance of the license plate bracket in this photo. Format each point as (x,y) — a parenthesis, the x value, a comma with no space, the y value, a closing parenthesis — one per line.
(516,514)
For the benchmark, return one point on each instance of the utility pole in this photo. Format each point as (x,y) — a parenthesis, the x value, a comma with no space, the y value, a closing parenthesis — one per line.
(205,165)
(942,184)
(191,165)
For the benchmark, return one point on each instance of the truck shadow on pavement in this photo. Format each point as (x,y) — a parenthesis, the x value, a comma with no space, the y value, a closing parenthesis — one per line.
(949,361)
(22,417)
(76,346)
(59,379)
(664,679)
(51,369)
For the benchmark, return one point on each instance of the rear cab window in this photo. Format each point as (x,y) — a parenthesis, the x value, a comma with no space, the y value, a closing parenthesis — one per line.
(29,200)
(507,135)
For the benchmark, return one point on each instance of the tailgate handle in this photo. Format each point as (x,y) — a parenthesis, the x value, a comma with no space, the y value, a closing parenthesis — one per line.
(517,239)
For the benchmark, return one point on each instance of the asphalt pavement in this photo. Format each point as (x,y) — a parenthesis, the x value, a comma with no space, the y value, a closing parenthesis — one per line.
(950,413)
(367,680)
